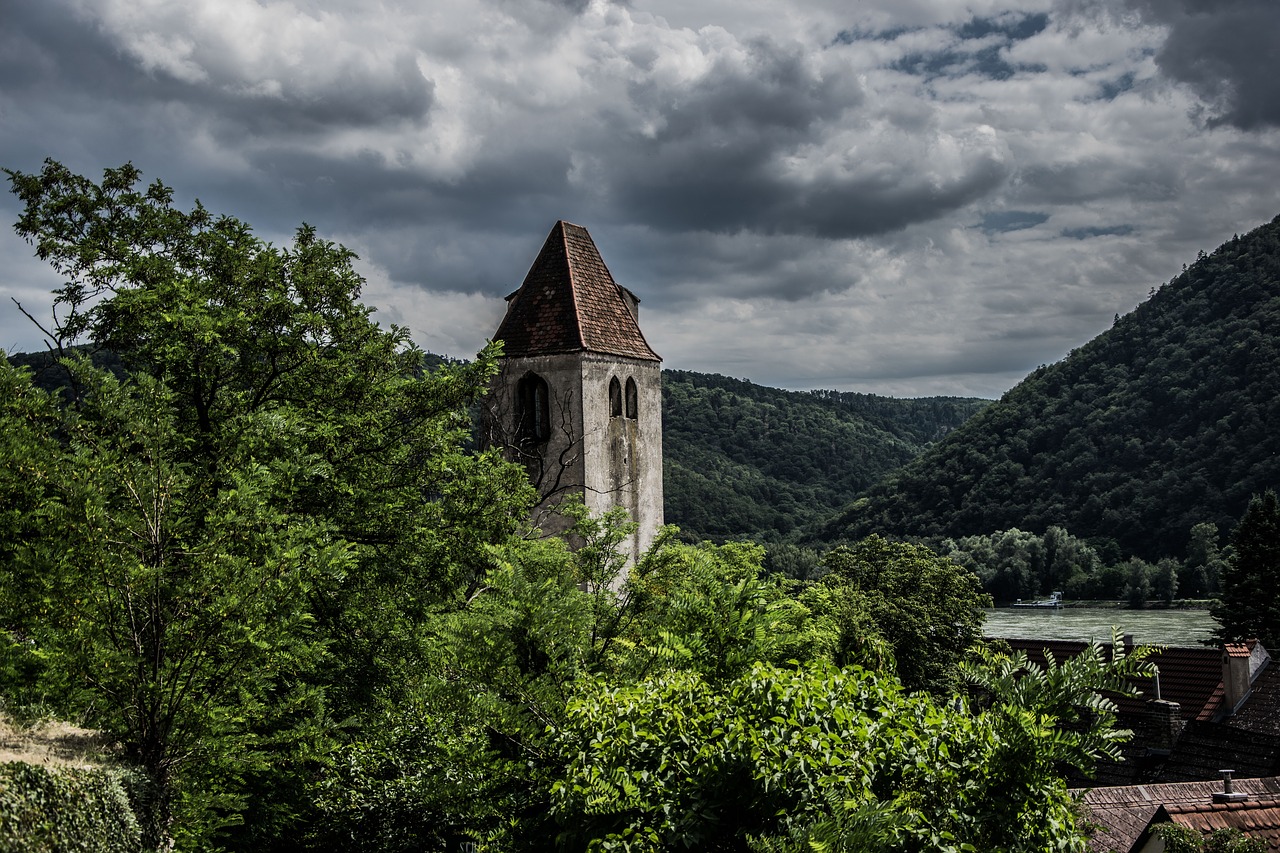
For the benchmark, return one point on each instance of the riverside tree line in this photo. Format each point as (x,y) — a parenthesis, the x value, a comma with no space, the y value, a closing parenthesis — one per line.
(260,555)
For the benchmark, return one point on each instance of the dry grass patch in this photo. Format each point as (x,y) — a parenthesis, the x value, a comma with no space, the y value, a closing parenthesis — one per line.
(52,742)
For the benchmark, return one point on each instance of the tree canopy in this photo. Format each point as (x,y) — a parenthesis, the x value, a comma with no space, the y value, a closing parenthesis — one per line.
(1250,605)
(275,491)
(745,461)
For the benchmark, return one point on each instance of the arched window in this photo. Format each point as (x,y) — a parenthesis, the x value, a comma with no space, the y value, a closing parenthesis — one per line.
(632,401)
(533,410)
(615,398)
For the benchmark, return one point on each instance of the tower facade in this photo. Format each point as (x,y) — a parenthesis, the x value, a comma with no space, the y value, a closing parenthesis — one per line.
(578,397)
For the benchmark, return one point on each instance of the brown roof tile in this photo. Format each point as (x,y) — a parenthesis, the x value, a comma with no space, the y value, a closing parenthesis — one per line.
(1261,711)
(569,302)
(1257,817)
(1237,650)
(1122,814)
(1187,676)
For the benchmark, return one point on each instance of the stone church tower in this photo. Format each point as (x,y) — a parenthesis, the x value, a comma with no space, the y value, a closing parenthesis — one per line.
(578,399)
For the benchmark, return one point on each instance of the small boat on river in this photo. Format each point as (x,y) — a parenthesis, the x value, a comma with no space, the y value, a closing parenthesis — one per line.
(1053,602)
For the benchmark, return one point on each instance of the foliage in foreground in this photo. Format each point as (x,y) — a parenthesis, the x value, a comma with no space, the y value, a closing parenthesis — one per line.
(223,556)
(1181,839)
(48,810)
(796,755)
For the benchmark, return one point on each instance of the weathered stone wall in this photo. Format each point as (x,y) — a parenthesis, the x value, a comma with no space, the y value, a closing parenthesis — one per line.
(607,460)
(555,467)
(623,455)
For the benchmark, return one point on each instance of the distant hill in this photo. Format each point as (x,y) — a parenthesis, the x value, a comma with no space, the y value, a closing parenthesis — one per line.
(1170,418)
(745,461)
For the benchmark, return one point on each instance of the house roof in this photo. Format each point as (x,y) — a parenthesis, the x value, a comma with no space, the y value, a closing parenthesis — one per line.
(1261,713)
(569,302)
(1210,739)
(1258,818)
(1122,814)
(1206,747)
(1189,677)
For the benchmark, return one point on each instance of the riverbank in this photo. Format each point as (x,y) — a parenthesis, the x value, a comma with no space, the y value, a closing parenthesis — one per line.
(1176,604)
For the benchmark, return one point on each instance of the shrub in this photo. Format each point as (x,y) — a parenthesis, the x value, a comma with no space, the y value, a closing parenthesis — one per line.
(51,810)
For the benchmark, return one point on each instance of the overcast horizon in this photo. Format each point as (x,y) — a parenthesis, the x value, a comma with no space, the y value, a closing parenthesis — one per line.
(904,198)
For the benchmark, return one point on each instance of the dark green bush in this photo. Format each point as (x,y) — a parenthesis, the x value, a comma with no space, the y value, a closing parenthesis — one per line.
(51,810)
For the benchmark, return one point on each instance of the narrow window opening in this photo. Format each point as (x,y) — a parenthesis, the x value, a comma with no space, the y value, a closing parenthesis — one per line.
(615,398)
(533,410)
(633,404)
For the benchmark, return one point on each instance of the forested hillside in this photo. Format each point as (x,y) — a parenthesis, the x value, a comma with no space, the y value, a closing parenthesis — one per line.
(742,460)
(1164,421)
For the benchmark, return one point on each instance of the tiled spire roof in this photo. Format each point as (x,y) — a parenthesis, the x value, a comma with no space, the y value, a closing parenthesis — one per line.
(570,303)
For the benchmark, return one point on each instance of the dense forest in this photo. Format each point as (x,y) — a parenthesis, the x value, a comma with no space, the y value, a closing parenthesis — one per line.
(1163,422)
(745,461)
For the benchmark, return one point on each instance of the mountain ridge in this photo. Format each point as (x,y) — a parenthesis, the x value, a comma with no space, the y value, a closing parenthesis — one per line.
(1155,425)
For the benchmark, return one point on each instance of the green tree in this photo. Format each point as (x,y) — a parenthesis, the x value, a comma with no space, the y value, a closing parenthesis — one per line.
(1204,565)
(816,757)
(711,610)
(1250,604)
(1164,580)
(1182,839)
(1137,589)
(247,532)
(179,611)
(28,503)
(925,607)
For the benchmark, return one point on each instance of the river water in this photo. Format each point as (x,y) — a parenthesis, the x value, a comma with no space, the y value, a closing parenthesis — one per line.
(1186,628)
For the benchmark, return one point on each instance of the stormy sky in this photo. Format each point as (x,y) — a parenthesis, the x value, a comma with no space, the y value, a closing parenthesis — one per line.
(909,197)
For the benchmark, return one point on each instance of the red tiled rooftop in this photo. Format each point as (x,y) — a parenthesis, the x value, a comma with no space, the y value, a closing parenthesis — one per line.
(1257,817)
(569,302)
(1122,814)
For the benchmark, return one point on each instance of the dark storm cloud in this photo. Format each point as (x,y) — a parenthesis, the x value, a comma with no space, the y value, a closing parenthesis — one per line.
(729,191)
(371,191)
(44,47)
(1012,220)
(681,269)
(1097,231)
(790,205)
(1103,177)
(45,51)
(1228,51)
(715,162)
(353,100)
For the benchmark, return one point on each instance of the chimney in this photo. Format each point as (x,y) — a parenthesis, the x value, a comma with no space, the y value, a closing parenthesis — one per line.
(1226,795)
(1164,720)
(1235,676)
